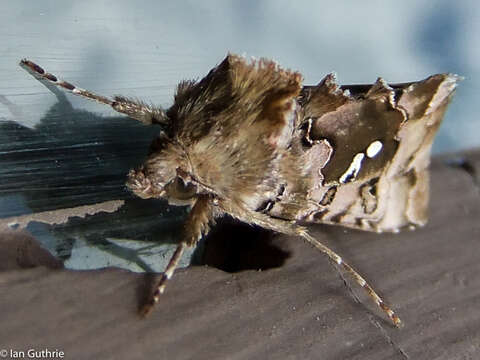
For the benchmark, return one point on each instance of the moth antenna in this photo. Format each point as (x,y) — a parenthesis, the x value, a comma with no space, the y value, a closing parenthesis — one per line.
(134,109)
(167,275)
(355,275)
(39,72)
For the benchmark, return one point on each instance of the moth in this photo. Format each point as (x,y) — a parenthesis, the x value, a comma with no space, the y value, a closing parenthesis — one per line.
(248,140)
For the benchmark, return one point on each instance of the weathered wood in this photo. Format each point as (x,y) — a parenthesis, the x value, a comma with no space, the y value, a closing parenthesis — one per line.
(300,310)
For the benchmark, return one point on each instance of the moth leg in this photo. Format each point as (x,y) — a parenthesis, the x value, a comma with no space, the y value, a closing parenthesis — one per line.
(160,288)
(134,109)
(196,226)
(290,228)
(354,274)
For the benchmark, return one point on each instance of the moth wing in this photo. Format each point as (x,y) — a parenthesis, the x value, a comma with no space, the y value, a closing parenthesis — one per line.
(377,175)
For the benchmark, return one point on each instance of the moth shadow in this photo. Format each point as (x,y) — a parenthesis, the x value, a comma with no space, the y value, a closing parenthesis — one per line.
(233,246)
(73,157)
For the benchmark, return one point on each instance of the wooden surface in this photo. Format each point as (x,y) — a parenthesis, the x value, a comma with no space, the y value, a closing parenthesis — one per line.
(300,310)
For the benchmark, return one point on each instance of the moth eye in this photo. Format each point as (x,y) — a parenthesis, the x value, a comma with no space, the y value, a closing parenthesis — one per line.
(180,190)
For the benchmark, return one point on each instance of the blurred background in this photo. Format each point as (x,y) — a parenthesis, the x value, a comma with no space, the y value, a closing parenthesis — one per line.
(59,151)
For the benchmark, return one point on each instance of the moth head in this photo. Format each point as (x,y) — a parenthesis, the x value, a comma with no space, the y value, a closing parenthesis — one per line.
(164,175)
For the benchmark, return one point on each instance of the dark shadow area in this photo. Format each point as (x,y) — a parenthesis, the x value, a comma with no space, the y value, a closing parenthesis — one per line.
(71,158)
(233,246)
